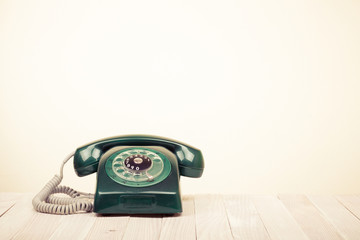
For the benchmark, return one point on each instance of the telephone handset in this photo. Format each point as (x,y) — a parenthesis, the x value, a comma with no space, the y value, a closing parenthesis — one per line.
(135,174)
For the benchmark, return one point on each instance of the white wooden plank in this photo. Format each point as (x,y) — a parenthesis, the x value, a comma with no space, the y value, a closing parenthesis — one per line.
(180,226)
(343,220)
(40,226)
(277,220)
(211,218)
(108,227)
(7,200)
(145,227)
(216,217)
(46,226)
(351,202)
(76,226)
(244,220)
(16,217)
(309,218)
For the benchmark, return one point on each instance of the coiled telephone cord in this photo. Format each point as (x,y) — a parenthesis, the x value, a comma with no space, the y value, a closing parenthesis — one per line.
(46,202)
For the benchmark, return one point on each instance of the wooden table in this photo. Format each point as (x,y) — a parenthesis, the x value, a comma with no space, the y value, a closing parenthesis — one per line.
(288,217)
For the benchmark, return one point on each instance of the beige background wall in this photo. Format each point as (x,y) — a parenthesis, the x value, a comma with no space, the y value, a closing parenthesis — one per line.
(268,90)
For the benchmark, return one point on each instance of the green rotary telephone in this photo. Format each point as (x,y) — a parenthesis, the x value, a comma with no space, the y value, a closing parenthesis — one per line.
(136,174)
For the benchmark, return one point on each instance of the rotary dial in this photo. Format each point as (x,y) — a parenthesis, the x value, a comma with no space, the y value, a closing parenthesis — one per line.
(137,165)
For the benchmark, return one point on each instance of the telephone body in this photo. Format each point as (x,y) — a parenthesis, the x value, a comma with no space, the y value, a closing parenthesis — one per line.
(136,174)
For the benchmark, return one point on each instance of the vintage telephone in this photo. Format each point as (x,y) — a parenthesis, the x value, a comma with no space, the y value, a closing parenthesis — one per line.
(136,174)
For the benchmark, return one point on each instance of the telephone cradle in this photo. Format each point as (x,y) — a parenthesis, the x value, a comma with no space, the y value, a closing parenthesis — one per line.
(136,174)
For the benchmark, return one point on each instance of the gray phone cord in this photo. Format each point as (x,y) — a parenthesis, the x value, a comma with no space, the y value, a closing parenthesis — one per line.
(45,202)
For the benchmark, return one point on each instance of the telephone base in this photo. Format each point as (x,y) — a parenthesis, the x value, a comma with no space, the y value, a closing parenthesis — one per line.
(113,197)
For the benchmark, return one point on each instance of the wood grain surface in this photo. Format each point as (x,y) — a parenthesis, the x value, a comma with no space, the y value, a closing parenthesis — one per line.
(245,217)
